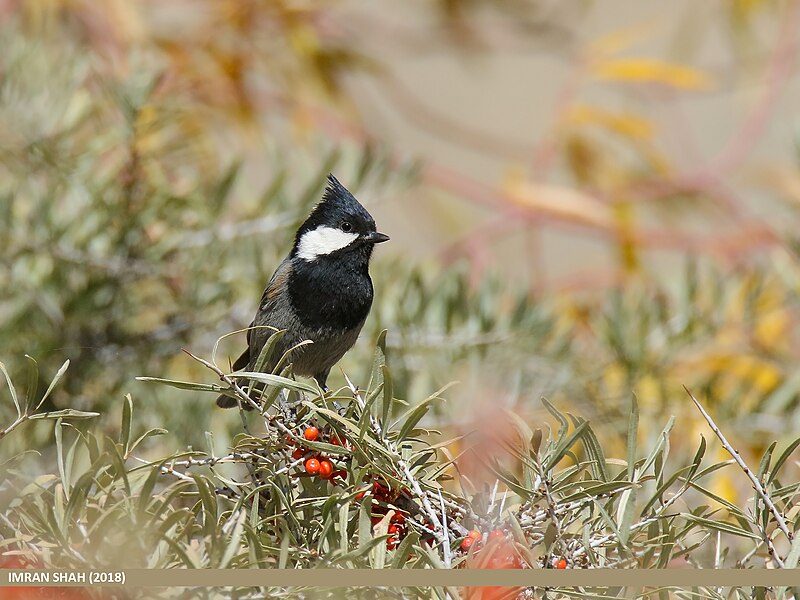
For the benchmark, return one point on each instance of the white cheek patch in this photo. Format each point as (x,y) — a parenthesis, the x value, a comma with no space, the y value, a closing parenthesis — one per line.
(323,240)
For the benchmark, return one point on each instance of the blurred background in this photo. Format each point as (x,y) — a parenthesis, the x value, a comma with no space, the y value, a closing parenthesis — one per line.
(586,201)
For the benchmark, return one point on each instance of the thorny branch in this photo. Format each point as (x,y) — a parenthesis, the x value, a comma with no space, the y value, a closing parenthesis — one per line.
(760,490)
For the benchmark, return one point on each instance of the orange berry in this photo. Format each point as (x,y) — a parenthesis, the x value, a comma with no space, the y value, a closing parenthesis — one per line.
(393,529)
(325,469)
(392,542)
(398,518)
(298,453)
(497,533)
(311,433)
(312,466)
(475,534)
(561,564)
(467,542)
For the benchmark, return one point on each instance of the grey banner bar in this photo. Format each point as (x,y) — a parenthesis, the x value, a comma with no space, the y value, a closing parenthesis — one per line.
(405,577)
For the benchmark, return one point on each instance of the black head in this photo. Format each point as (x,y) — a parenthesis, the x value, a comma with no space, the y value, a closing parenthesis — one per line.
(337,225)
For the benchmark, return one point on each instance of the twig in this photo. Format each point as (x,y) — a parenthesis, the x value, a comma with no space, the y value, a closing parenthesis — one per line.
(446,545)
(242,396)
(760,490)
(409,476)
(552,514)
(234,231)
(494,496)
(19,421)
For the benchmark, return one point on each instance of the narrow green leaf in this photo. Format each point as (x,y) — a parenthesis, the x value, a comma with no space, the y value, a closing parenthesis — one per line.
(149,433)
(144,497)
(793,558)
(409,419)
(404,549)
(208,503)
(722,526)
(563,423)
(763,466)
(662,440)
(11,389)
(185,385)
(373,543)
(782,459)
(286,538)
(77,496)
(67,413)
(58,432)
(365,522)
(593,449)
(600,489)
(344,536)
(59,374)
(525,452)
(388,395)
(348,424)
(378,362)
(625,510)
(233,544)
(268,350)
(633,428)
(33,384)
(276,380)
(552,459)
(125,428)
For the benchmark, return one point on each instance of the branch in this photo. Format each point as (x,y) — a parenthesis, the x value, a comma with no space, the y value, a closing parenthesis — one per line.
(760,490)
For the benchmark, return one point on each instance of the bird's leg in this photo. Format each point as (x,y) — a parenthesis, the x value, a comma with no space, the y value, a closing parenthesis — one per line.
(322,380)
(284,401)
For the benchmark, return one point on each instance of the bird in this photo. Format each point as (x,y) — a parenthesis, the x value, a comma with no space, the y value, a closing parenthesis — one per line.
(321,291)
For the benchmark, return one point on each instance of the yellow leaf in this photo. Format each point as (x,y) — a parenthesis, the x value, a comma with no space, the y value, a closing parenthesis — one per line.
(745,9)
(784,180)
(619,40)
(736,368)
(770,329)
(647,70)
(648,390)
(615,378)
(623,123)
(559,202)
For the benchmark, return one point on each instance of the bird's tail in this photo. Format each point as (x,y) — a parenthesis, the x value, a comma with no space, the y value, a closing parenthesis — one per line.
(240,363)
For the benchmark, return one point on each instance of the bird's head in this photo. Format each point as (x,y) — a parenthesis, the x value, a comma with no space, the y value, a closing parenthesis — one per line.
(337,225)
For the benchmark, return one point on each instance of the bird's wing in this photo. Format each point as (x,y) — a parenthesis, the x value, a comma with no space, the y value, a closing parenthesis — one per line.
(275,287)
(274,293)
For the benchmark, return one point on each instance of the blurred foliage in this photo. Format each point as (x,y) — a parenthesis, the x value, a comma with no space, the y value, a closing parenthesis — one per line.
(262,505)
(155,161)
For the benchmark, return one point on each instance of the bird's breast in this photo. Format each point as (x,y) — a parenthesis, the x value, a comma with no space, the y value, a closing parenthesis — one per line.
(333,296)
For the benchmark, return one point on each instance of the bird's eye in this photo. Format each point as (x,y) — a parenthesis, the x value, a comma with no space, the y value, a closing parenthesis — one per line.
(347,227)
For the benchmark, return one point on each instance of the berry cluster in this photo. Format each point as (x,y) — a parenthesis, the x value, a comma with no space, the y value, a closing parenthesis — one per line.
(385,498)
(501,548)
(316,463)
(383,495)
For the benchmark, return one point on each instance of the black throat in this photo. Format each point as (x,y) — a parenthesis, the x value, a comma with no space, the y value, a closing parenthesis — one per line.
(332,291)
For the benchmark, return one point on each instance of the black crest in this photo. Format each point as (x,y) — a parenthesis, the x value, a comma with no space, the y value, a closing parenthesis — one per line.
(337,205)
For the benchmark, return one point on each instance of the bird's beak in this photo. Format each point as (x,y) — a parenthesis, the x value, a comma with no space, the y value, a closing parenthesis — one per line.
(375,238)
